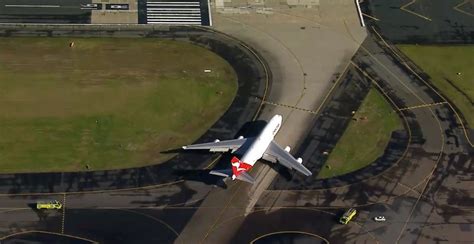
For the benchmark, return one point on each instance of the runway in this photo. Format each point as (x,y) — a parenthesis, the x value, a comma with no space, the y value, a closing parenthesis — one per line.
(131,12)
(44,11)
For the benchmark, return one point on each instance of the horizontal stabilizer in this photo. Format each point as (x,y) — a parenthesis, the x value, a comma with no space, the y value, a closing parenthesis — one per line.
(222,172)
(244,176)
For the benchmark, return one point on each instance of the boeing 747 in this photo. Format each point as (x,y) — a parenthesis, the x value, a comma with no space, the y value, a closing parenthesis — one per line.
(252,149)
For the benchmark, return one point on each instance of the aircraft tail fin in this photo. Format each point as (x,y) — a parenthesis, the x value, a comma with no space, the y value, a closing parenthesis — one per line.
(238,171)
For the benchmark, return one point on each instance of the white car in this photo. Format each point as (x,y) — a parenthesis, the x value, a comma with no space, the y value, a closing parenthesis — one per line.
(118,7)
(380,219)
(89,5)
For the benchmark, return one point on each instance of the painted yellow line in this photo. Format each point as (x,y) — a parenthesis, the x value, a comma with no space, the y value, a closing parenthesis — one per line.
(153,218)
(349,33)
(458,8)
(371,17)
(264,209)
(399,112)
(423,106)
(450,105)
(332,88)
(412,12)
(441,150)
(373,81)
(239,184)
(150,187)
(430,175)
(7,210)
(409,188)
(429,86)
(289,106)
(46,232)
(386,44)
(213,162)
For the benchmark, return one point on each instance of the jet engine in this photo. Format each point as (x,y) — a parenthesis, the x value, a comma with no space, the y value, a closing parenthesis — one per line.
(287,148)
(217,140)
(300,160)
(240,137)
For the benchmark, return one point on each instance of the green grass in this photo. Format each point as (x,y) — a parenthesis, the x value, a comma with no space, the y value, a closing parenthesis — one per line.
(364,140)
(107,103)
(442,63)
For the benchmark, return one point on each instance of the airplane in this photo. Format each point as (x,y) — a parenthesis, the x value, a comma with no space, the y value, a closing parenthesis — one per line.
(253,149)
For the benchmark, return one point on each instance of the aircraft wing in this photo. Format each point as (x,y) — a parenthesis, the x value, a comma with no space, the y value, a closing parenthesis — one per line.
(285,158)
(218,146)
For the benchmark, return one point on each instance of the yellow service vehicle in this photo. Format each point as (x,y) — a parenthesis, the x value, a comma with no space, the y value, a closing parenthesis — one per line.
(347,216)
(52,204)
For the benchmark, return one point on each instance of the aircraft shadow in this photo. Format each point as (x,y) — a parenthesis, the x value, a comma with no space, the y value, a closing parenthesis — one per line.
(201,175)
(282,170)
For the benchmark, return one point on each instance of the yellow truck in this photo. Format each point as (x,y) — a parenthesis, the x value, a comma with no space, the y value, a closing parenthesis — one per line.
(347,216)
(49,204)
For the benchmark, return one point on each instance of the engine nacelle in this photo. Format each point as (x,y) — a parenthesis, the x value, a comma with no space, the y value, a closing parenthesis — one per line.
(300,160)
(217,140)
(287,148)
(240,137)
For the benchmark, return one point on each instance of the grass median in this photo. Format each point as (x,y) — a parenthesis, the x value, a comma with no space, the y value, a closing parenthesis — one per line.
(105,103)
(365,138)
(451,71)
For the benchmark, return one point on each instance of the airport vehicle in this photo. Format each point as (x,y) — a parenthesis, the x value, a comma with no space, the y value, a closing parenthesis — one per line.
(49,204)
(89,5)
(347,216)
(379,219)
(253,149)
(118,6)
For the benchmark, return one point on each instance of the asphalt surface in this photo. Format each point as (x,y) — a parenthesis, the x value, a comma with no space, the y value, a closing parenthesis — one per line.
(42,237)
(423,21)
(350,90)
(425,194)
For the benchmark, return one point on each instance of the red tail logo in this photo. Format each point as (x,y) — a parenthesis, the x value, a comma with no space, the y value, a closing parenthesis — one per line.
(239,166)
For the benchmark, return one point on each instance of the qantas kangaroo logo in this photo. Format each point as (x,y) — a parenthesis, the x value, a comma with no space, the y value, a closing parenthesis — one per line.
(239,166)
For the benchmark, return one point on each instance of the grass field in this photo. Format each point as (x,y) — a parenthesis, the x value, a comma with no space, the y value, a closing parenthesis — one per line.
(442,64)
(107,103)
(365,139)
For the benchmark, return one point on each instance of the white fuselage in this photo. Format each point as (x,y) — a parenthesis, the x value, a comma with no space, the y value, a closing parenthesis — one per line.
(260,145)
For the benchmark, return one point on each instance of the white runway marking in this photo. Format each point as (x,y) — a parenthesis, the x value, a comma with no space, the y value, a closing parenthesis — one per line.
(185,13)
(30,6)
